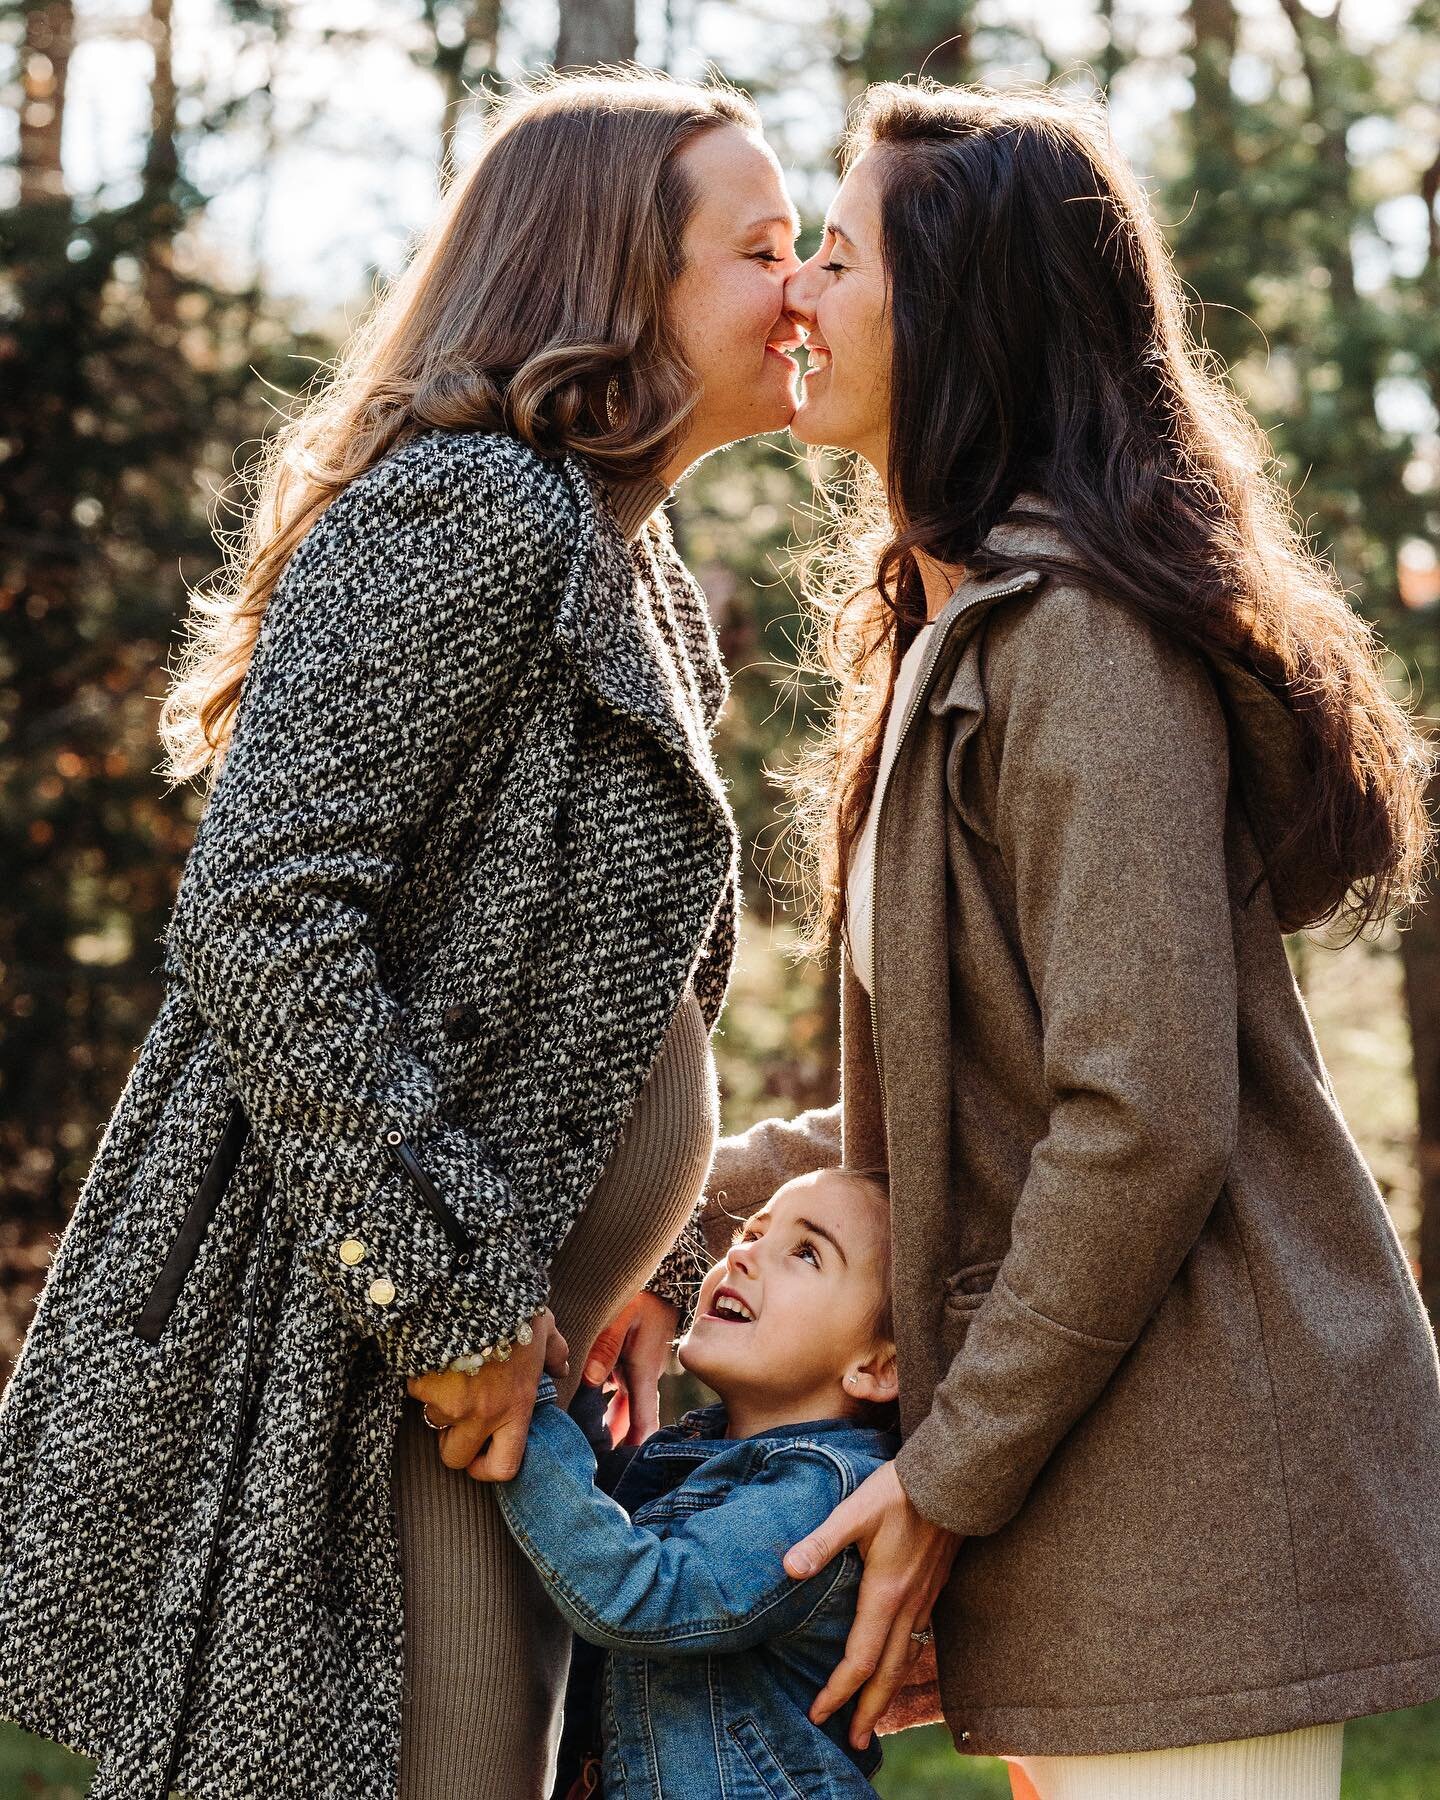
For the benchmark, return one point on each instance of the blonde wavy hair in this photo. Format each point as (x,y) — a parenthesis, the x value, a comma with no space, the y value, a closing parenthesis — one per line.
(536,304)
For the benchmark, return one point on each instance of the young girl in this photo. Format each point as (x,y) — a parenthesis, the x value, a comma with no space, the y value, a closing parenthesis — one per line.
(716,1654)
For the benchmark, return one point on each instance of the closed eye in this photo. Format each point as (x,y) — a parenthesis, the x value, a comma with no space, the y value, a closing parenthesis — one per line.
(834,268)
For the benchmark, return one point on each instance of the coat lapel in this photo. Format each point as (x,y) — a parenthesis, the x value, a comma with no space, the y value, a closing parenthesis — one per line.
(615,646)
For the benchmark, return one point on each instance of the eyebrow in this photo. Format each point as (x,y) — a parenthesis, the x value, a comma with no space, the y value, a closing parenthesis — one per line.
(840,232)
(790,221)
(829,1237)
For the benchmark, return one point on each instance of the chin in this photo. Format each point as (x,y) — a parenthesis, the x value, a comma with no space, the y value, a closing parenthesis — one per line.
(776,415)
(808,425)
(712,1369)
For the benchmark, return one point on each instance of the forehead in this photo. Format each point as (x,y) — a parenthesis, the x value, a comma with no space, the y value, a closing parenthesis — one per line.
(856,207)
(845,1206)
(736,177)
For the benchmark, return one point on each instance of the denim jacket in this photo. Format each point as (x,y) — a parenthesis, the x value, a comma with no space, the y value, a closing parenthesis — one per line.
(716,1654)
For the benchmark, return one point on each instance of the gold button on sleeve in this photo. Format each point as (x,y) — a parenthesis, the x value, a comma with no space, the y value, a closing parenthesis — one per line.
(352,1251)
(381,1291)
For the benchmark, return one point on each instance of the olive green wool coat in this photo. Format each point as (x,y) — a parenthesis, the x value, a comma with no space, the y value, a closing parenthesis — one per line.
(1163,1363)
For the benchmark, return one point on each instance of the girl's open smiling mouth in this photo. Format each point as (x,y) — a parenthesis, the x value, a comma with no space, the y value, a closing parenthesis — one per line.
(727,1307)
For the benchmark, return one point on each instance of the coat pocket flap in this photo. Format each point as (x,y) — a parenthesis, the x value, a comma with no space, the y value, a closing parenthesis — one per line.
(970,1285)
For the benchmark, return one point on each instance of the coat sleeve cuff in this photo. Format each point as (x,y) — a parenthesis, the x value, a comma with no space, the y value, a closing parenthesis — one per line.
(435,1263)
(1018,1383)
(679,1276)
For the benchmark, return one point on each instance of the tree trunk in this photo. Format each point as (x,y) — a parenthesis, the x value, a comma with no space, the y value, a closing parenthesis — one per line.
(1420,957)
(161,173)
(470,58)
(1215,31)
(595,31)
(44,65)
(911,37)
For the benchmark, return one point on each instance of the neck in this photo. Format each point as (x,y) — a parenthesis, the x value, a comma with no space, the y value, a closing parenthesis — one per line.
(749,1416)
(939,580)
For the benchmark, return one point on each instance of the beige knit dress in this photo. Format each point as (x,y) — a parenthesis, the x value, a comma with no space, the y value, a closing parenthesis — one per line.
(486,1653)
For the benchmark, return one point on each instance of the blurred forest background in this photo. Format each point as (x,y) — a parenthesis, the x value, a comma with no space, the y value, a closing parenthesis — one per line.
(198,198)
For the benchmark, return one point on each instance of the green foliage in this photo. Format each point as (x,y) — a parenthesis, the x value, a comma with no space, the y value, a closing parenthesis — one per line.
(1294,189)
(125,407)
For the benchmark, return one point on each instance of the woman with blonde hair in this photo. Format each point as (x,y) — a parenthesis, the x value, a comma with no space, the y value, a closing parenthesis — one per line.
(1107,730)
(429,1099)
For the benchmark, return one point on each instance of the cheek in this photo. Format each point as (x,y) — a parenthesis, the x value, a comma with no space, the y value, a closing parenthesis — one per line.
(857,336)
(752,302)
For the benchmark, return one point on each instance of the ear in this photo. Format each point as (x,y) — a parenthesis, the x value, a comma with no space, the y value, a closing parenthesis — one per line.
(875,1376)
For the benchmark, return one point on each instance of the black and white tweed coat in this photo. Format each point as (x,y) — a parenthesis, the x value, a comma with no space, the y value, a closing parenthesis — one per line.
(466,849)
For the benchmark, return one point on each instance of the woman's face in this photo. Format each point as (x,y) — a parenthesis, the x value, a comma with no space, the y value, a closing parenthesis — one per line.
(841,298)
(728,304)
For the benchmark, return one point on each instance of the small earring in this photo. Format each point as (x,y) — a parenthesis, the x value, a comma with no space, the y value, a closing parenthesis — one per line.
(612,401)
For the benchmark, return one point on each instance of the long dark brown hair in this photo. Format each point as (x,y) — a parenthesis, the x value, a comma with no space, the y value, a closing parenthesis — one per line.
(1040,346)
(544,279)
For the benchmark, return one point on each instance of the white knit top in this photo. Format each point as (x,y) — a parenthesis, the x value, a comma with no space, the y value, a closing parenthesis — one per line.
(859,885)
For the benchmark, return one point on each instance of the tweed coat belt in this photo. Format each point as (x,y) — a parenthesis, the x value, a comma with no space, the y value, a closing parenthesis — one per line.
(467,847)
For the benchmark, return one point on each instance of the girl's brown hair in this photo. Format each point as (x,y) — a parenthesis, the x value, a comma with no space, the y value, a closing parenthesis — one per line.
(535,305)
(1040,346)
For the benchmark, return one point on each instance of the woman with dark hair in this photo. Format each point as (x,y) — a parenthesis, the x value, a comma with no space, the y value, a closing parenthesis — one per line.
(1106,730)
(431,1085)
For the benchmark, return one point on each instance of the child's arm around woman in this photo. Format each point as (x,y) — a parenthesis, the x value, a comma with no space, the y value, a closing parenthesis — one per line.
(708,1575)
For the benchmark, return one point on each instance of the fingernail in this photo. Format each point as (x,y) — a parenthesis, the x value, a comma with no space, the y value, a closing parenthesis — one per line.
(594,1373)
(799,1564)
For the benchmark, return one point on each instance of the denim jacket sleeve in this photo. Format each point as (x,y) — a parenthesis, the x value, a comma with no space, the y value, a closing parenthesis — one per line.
(713,1583)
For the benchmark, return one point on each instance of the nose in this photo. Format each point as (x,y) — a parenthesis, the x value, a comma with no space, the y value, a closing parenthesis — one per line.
(741,1256)
(801,290)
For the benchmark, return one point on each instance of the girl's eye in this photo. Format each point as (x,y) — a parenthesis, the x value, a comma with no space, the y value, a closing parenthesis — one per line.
(806,1248)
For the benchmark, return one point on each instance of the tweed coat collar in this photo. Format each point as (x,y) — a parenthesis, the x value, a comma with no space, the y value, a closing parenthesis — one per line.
(615,641)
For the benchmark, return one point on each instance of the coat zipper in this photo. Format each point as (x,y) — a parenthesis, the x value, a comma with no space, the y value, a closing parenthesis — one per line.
(400,1150)
(918,695)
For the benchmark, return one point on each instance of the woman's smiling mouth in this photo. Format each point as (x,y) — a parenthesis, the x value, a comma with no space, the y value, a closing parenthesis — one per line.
(785,349)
